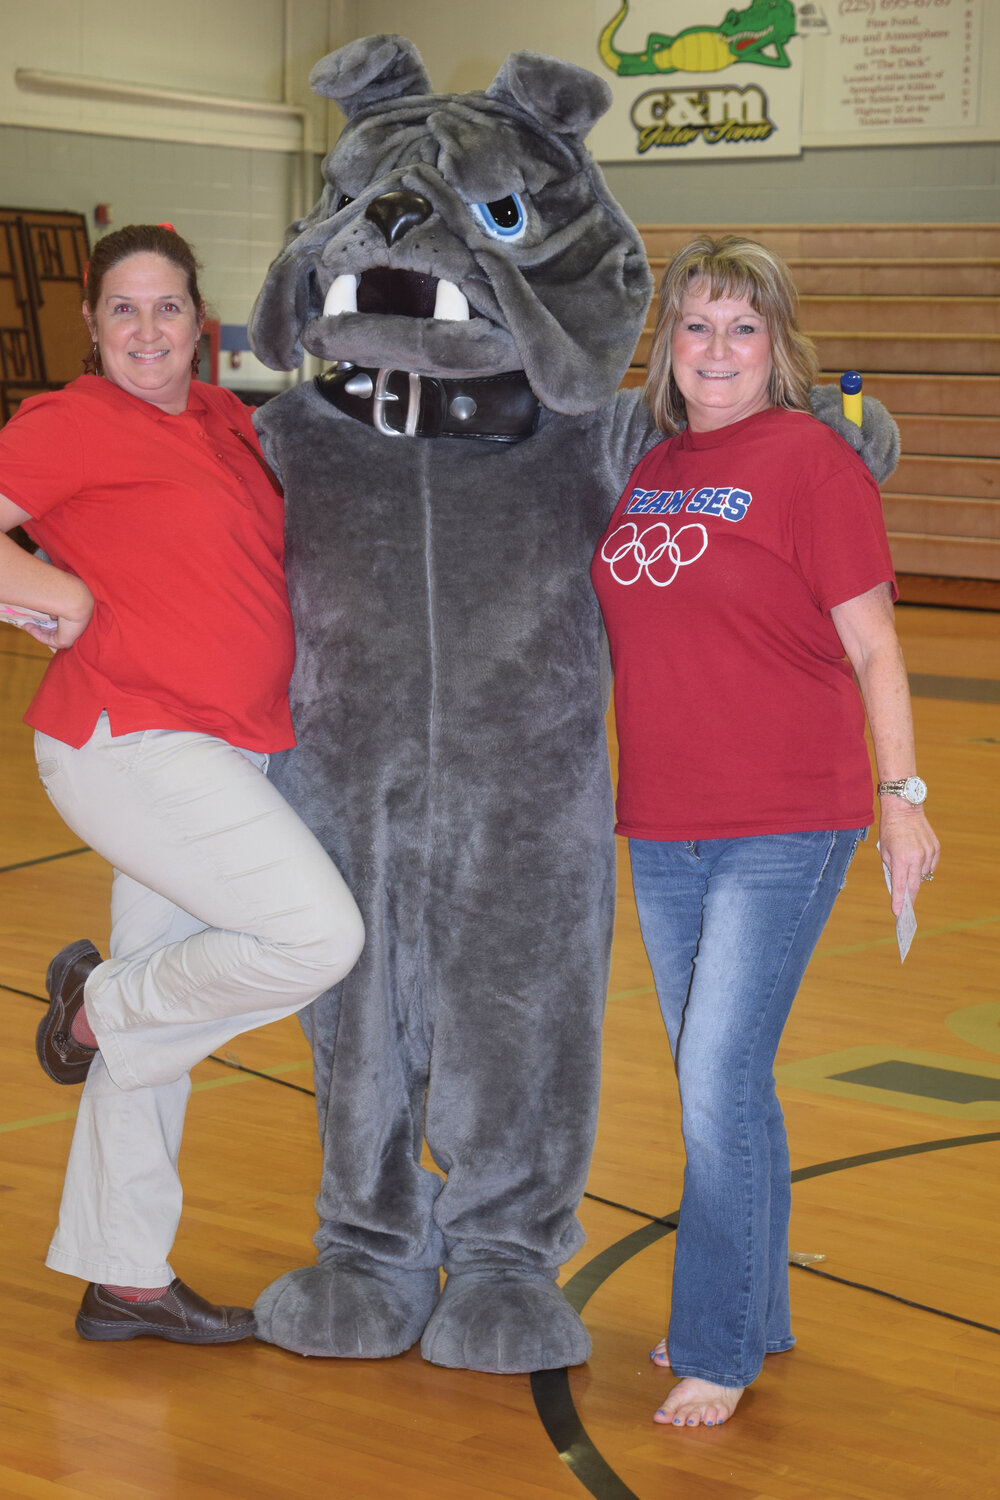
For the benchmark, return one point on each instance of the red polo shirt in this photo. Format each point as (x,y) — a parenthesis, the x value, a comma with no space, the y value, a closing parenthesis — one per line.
(177,529)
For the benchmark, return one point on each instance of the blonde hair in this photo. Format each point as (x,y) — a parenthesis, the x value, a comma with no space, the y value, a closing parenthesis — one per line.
(738,268)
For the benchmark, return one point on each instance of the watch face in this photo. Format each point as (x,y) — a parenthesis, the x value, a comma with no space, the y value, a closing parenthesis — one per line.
(914,790)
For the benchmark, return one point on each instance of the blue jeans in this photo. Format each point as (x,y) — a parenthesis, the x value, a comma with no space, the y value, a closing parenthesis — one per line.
(729,926)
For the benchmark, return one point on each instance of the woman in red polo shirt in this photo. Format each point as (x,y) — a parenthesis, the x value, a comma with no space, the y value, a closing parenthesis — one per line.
(166,692)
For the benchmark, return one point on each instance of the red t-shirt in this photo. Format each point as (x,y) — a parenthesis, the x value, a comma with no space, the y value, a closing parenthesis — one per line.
(737,712)
(177,530)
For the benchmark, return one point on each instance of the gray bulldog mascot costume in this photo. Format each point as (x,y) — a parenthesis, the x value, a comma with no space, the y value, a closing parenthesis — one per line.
(447,479)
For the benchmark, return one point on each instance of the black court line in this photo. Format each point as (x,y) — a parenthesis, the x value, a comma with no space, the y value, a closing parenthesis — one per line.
(239,1067)
(44,859)
(10,989)
(551,1389)
(225,1062)
(860,1286)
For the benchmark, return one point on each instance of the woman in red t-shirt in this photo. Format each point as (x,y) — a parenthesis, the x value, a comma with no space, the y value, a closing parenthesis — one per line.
(164,602)
(747,555)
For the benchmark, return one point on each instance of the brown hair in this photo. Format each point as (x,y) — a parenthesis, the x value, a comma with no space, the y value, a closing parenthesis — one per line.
(731,267)
(140,239)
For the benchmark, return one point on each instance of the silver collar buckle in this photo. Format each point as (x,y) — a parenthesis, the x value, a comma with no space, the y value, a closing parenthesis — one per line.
(383,396)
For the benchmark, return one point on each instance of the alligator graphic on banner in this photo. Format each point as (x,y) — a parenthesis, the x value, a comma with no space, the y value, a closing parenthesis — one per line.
(755,35)
(698,114)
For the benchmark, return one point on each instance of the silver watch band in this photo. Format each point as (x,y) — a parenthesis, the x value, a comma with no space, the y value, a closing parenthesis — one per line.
(912,789)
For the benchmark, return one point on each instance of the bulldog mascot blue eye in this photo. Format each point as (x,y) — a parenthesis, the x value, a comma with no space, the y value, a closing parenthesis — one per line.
(479,294)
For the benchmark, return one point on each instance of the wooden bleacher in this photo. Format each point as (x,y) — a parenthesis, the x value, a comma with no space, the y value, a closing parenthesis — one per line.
(915,308)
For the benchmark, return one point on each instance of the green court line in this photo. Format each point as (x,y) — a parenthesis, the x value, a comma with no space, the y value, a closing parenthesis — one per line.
(978,1024)
(235,1077)
(199,1088)
(259,1076)
(66,1114)
(882,942)
(886,942)
(646,989)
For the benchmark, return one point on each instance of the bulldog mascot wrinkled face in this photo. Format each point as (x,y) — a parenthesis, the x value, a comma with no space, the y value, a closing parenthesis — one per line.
(480,295)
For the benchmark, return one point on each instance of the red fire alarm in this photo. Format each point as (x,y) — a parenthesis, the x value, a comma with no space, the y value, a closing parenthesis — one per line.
(104,214)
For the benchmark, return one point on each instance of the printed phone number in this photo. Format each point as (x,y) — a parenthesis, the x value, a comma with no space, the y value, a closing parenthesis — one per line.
(870,7)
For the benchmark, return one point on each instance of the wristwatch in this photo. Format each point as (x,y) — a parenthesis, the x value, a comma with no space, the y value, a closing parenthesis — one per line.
(912,790)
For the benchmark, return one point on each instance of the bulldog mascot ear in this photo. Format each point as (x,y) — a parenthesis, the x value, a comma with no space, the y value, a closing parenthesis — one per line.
(364,73)
(368,72)
(562,98)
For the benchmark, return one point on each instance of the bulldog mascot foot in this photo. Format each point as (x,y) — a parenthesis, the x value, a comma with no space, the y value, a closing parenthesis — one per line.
(508,1322)
(374,1312)
(477,294)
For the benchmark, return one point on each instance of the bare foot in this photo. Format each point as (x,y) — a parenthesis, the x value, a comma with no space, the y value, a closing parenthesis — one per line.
(698,1403)
(658,1354)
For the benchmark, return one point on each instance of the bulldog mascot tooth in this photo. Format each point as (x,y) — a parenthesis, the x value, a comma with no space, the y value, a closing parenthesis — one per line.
(481,294)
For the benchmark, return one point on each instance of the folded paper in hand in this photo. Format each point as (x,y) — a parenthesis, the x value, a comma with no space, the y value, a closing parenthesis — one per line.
(906,922)
(14,614)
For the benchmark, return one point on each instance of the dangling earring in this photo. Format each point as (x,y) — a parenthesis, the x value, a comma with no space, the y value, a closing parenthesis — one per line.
(92,362)
(196,360)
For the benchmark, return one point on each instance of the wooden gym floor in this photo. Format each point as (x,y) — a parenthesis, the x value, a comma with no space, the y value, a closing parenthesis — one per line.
(891,1084)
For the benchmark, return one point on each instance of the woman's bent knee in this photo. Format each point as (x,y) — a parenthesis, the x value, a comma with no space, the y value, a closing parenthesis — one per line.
(335,947)
(347,944)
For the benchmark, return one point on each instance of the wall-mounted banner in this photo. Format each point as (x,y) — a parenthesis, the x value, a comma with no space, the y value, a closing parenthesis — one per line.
(896,67)
(695,78)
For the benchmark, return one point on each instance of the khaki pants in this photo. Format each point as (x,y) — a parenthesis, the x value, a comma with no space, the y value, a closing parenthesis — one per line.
(226,914)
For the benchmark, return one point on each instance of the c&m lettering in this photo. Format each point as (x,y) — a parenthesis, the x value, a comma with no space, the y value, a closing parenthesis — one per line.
(744,106)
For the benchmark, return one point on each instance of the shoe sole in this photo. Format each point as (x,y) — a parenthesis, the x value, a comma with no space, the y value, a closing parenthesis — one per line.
(99,1331)
(54,977)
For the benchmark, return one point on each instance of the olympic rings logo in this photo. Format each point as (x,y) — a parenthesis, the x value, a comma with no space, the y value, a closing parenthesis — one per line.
(630,555)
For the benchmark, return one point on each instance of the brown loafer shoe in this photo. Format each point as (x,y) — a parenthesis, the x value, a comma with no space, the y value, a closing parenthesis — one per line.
(63,1058)
(180,1315)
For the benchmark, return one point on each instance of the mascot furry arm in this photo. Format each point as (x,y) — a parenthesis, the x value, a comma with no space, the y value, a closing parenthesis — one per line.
(447,480)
